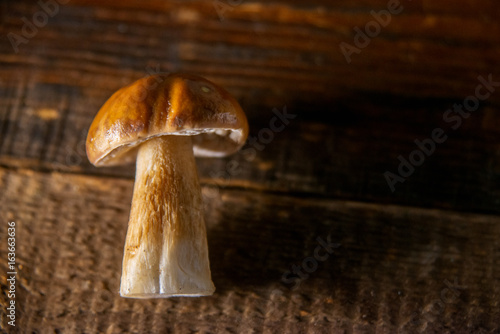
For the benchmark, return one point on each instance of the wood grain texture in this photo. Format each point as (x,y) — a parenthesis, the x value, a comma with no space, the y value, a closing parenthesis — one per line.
(344,155)
(363,115)
(260,48)
(321,176)
(387,275)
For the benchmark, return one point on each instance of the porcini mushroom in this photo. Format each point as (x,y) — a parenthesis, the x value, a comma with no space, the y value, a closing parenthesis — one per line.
(162,122)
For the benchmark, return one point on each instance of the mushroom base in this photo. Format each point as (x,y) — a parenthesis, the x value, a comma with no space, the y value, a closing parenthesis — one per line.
(166,252)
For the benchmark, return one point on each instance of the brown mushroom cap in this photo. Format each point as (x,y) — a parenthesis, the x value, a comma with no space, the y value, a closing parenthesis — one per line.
(175,104)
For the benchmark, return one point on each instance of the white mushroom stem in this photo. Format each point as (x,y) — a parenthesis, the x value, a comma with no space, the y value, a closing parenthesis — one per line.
(166,251)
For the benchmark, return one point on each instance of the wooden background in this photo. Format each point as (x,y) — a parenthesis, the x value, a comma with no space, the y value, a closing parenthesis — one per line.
(322,176)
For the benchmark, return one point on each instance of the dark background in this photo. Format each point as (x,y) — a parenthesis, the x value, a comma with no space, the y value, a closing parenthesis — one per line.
(422,258)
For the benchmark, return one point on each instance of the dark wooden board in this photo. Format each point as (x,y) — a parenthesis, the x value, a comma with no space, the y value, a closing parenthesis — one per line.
(387,274)
(363,115)
(345,155)
(264,51)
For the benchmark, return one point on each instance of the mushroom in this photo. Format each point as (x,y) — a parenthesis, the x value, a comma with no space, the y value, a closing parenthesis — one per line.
(163,121)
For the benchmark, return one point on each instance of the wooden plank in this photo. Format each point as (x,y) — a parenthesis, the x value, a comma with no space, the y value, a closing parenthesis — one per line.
(44,127)
(387,275)
(269,55)
(274,50)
